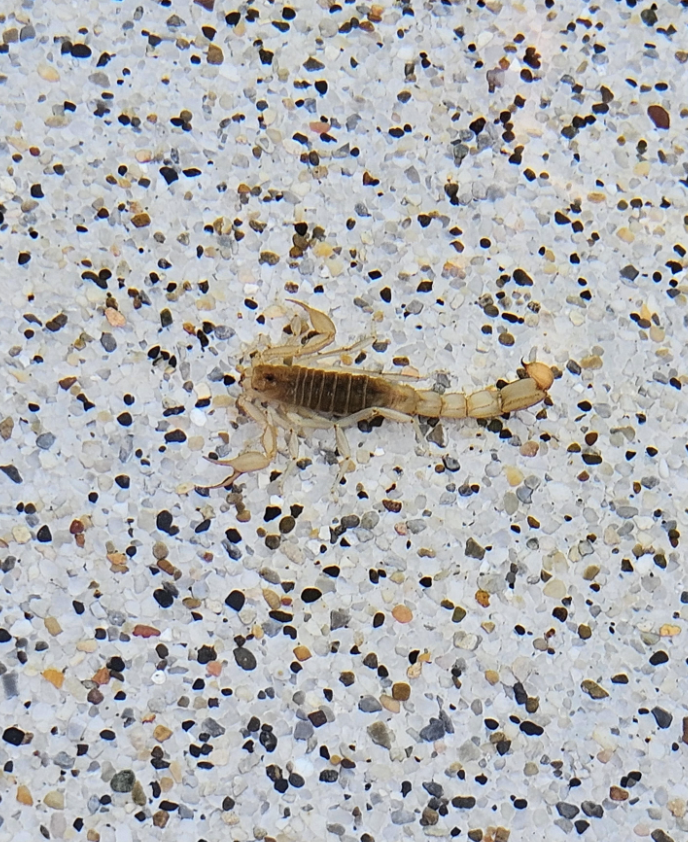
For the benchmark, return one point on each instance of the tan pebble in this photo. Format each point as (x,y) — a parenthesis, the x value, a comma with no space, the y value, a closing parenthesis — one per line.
(625,234)
(488,626)
(618,794)
(402,614)
(272,598)
(302,653)
(54,799)
(159,550)
(24,795)
(48,73)
(21,534)
(677,807)
(114,317)
(414,670)
(101,676)
(401,691)
(192,602)
(214,668)
(162,733)
(138,794)
(593,689)
(591,572)
(89,645)
(529,448)
(141,630)
(591,363)
(143,156)
(52,626)
(140,220)
(596,197)
(513,476)
(669,630)
(390,704)
(424,657)
(92,835)
(657,334)
(555,588)
(166,783)
(6,427)
(584,632)
(482,598)
(530,769)
(501,834)
(55,677)
(492,677)
(215,55)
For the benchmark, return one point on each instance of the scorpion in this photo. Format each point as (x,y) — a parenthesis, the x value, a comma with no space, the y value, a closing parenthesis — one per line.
(281,389)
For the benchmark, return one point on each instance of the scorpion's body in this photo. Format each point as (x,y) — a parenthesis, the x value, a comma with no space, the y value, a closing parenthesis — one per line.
(278,392)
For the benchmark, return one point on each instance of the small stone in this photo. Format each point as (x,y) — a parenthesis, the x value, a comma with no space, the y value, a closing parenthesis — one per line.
(140,220)
(55,677)
(662,717)
(108,341)
(14,736)
(593,689)
(458,614)
(54,799)
(401,691)
(659,116)
(567,811)
(24,795)
(433,731)
(592,810)
(474,550)
(114,318)
(52,625)
(660,835)
(245,658)
(380,734)
(215,55)
(12,473)
(302,653)
(45,441)
(463,802)
(162,733)
(402,614)
(123,781)
(684,733)
(140,630)
(369,704)
(618,794)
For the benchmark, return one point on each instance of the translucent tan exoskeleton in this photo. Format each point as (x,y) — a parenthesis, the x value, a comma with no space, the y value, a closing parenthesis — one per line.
(281,392)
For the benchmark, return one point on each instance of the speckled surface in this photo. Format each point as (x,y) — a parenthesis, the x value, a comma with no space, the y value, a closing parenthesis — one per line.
(480,636)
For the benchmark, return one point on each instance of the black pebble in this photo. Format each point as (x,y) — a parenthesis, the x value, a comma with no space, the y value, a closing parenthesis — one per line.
(5,636)
(11,472)
(13,736)
(175,436)
(81,51)
(163,598)
(44,535)
(206,654)
(235,600)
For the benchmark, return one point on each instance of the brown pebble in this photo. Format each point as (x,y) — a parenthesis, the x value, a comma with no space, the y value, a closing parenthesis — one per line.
(141,630)
(659,116)
(24,795)
(55,677)
(94,697)
(215,55)
(140,220)
(684,735)
(160,818)
(506,339)
(593,689)
(584,632)
(482,598)
(302,653)
(162,733)
(402,614)
(401,691)
(618,794)
(392,505)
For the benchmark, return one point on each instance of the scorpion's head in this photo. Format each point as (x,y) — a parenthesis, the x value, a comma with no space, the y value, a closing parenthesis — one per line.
(270,381)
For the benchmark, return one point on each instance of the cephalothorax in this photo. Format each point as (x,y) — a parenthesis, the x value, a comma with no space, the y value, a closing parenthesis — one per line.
(282,389)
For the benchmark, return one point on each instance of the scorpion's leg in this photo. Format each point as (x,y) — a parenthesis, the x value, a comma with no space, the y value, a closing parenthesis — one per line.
(385,412)
(251,460)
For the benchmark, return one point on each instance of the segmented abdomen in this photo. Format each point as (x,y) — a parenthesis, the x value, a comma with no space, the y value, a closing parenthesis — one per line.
(336,393)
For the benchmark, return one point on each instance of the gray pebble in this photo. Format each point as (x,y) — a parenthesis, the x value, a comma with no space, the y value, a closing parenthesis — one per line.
(9,685)
(436,790)
(223,332)
(63,760)
(212,727)
(531,481)
(369,704)
(434,730)
(336,829)
(524,494)
(370,520)
(662,717)
(215,375)
(303,730)
(592,810)
(185,812)
(45,441)
(450,463)
(414,307)
(402,817)
(626,512)
(361,210)
(567,811)
(649,482)
(108,341)
(123,781)
(350,521)
(380,734)
(438,436)
(416,526)
(26,33)
(339,619)
(245,659)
